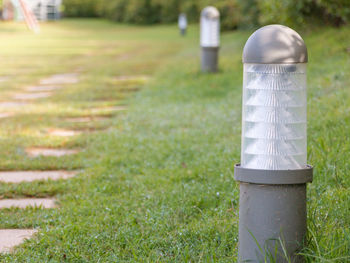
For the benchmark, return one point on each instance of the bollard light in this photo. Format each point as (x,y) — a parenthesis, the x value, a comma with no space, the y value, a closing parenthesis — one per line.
(210,38)
(182,23)
(273,172)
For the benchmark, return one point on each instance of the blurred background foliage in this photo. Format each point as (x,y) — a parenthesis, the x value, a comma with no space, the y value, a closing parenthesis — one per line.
(234,13)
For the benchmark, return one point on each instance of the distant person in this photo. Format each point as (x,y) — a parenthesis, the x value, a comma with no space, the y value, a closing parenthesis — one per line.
(182,23)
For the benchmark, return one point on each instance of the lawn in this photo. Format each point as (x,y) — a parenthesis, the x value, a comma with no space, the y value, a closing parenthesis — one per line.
(156,181)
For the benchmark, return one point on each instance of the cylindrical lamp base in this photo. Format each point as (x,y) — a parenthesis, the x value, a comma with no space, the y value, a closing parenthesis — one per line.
(209,59)
(272,222)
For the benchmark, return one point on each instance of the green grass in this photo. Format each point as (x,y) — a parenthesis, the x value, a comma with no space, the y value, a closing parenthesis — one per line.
(157,181)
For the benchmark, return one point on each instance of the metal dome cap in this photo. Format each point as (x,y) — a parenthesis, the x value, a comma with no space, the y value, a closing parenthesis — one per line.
(275,44)
(210,12)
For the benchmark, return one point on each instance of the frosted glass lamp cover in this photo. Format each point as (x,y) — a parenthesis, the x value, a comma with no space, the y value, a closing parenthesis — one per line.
(210,27)
(274,101)
(182,22)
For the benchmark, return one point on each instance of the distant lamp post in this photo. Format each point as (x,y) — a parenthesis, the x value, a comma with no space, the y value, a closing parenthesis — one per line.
(182,22)
(210,38)
(273,172)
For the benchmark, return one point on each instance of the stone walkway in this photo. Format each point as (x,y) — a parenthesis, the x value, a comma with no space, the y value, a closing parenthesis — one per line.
(10,238)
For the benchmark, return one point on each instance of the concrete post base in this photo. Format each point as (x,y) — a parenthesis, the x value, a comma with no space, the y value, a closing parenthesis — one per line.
(209,59)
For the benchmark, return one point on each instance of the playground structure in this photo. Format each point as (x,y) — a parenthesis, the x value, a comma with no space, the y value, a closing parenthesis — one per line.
(42,10)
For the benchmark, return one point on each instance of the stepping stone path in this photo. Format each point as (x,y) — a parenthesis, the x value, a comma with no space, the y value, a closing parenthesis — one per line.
(31,96)
(10,238)
(30,176)
(63,133)
(68,78)
(36,152)
(27,202)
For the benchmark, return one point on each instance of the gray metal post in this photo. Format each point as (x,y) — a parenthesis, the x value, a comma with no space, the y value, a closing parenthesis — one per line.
(209,59)
(272,214)
(272,210)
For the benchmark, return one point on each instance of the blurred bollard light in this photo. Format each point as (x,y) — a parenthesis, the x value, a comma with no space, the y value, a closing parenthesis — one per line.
(182,23)
(210,38)
(273,172)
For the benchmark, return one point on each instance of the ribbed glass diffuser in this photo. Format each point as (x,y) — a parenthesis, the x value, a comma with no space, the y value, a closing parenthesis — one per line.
(210,27)
(182,21)
(274,117)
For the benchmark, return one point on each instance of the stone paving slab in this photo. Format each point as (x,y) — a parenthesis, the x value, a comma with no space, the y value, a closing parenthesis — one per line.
(4,115)
(28,202)
(132,78)
(29,176)
(112,108)
(42,88)
(84,119)
(12,104)
(31,96)
(36,152)
(63,133)
(4,78)
(10,238)
(68,78)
